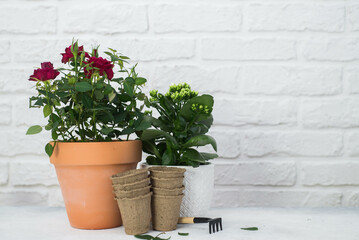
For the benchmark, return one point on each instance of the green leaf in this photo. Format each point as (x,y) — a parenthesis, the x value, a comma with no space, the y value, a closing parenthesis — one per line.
(144,237)
(168,157)
(49,149)
(83,86)
(128,86)
(34,130)
(183,234)
(87,101)
(99,94)
(149,134)
(207,156)
(201,140)
(106,130)
(189,114)
(140,81)
(47,110)
(192,155)
(111,96)
(250,229)
(151,160)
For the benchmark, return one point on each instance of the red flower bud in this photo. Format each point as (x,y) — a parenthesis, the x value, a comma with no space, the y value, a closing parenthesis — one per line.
(68,54)
(46,72)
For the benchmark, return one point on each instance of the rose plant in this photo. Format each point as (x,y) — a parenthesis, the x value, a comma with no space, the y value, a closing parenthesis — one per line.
(88,102)
(184,119)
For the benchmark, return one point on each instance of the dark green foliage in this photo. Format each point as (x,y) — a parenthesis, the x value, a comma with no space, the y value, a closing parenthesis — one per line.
(184,119)
(83,108)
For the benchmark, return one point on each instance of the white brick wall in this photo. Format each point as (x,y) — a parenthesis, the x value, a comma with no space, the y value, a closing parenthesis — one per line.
(284,74)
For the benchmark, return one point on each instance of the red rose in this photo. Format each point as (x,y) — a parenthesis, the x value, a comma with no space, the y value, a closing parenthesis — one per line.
(68,54)
(103,65)
(46,72)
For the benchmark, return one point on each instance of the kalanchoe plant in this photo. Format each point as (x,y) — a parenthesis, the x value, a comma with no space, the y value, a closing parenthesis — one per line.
(88,102)
(184,119)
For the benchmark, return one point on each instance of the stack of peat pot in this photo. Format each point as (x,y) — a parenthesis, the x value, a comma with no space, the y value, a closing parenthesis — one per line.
(167,188)
(133,196)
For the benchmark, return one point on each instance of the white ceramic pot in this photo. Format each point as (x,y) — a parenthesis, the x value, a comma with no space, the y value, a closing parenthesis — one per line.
(198,191)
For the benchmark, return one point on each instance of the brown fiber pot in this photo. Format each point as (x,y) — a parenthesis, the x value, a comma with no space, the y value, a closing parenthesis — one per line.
(133,193)
(136,213)
(131,186)
(165,212)
(84,170)
(167,172)
(168,183)
(129,176)
(168,192)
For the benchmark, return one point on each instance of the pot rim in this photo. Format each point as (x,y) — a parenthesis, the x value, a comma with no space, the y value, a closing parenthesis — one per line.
(96,153)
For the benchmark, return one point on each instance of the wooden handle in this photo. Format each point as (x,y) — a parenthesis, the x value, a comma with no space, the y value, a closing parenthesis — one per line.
(186,220)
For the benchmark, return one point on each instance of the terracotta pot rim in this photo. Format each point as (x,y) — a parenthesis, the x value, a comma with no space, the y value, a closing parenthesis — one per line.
(96,153)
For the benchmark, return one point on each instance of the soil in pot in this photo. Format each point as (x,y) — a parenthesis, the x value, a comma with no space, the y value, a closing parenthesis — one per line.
(136,214)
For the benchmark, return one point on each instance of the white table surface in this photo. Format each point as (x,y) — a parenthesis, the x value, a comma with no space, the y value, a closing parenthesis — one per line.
(22,223)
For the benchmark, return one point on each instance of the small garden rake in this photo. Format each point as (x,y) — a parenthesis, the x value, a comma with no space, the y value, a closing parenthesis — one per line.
(214,224)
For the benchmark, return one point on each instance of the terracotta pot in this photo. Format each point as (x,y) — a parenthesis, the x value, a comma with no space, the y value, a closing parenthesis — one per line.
(84,170)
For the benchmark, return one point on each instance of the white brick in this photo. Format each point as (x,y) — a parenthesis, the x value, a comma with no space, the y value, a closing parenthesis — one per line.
(25,116)
(248,49)
(351,80)
(296,17)
(330,174)
(291,80)
(32,173)
(332,49)
(205,80)
(5,51)
(228,143)
(4,173)
(196,18)
(55,197)
(19,80)
(353,17)
(23,197)
(103,18)
(28,19)
(5,113)
(275,198)
(15,142)
(352,144)
(330,113)
(155,49)
(37,51)
(256,173)
(255,112)
(353,200)
(260,144)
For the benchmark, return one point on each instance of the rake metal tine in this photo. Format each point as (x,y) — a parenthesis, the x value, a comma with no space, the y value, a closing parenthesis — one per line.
(217,225)
(213,227)
(220,223)
(210,230)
